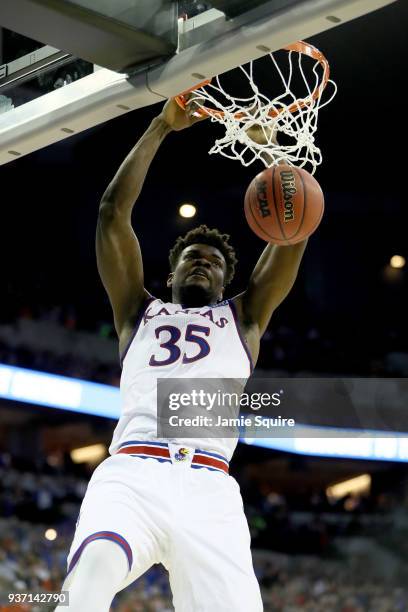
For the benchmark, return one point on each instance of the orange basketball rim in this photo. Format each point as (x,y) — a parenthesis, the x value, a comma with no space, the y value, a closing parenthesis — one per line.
(299,47)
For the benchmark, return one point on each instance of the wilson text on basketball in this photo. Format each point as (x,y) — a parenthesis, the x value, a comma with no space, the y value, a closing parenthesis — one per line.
(288,190)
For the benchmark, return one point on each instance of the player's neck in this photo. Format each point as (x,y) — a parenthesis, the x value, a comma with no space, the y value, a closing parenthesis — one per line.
(193,299)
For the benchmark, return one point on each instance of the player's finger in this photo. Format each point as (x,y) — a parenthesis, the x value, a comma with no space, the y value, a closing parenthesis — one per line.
(198,115)
(189,102)
(196,112)
(191,105)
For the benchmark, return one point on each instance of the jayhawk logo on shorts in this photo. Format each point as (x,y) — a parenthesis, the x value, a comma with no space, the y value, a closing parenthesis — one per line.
(182,454)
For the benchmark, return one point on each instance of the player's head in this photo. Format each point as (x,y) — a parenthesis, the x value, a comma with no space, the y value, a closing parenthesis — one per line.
(202,264)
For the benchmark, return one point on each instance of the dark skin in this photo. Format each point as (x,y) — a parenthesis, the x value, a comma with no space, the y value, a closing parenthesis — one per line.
(199,276)
(201,269)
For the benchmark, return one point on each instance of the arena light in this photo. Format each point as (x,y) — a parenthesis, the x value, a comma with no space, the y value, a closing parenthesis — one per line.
(104,401)
(50,535)
(59,392)
(397,261)
(359,485)
(316,441)
(89,454)
(187,211)
(27,386)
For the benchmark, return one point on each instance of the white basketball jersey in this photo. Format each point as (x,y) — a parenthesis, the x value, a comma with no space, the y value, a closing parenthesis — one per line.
(170,341)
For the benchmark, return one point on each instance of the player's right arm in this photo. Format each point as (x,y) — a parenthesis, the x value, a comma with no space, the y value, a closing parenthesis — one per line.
(119,258)
(118,254)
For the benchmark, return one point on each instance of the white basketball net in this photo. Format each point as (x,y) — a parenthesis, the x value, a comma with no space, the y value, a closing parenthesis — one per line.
(288,114)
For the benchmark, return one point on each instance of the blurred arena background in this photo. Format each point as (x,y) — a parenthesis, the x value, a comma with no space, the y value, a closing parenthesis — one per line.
(315,548)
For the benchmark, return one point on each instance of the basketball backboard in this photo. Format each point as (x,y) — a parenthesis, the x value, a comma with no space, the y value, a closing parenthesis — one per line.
(176,46)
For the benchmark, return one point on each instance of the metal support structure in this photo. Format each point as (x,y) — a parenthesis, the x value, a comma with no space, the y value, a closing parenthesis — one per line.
(33,64)
(104,95)
(117,35)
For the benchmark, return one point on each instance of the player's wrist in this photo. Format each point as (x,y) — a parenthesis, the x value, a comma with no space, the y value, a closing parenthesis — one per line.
(160,123)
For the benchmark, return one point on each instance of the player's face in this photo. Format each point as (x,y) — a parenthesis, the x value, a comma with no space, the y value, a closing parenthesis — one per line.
(200,274)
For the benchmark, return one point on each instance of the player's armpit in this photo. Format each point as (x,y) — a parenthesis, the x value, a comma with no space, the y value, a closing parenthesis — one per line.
(270,282)
(120,265)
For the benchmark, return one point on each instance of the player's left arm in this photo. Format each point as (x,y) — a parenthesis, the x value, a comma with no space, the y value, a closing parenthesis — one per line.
(272,279)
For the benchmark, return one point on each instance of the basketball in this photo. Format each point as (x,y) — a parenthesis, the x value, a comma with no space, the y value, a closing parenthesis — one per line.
(284,205)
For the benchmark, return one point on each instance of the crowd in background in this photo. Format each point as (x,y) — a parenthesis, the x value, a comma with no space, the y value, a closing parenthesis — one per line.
(64,365)
(275,525)
(39,494)
(314,349)
(42,492)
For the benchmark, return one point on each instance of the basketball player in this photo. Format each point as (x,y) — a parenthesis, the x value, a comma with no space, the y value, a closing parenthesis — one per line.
(172,501)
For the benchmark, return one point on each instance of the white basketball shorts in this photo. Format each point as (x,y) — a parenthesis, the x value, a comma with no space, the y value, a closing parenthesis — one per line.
(176,512)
